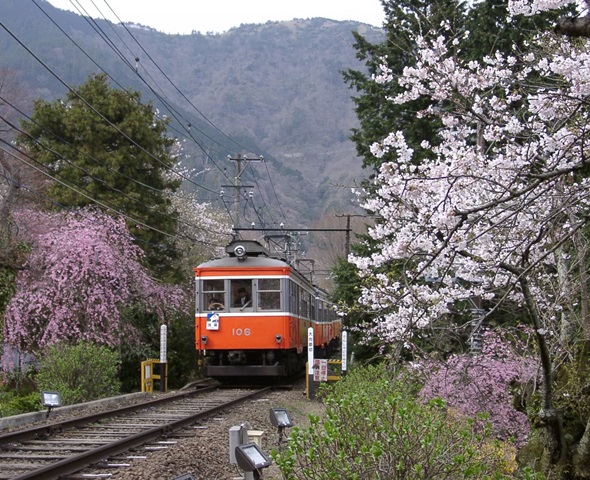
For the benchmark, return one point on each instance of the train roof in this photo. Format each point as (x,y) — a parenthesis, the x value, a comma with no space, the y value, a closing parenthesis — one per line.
(249,253)
(248,262)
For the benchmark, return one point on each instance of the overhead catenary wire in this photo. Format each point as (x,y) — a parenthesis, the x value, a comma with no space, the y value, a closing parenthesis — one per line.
(183,176)
(174,112)
(89,197)
(172,83)
(111,45)
(97,179)
(91,107)
(235,142)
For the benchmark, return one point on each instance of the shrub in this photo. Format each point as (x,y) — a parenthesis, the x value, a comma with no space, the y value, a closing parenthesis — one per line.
(181,354)
(11,403)
(80,372)
(375,427)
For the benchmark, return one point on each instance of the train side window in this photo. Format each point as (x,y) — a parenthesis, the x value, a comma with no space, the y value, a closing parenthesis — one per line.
(305,305)
(269,294)
(213,295)
(293,298)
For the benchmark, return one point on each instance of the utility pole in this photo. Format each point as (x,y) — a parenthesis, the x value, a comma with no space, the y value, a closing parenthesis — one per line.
(348,230)
(239,159)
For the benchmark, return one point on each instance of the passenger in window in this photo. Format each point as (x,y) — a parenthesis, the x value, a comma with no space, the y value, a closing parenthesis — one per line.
(243,299)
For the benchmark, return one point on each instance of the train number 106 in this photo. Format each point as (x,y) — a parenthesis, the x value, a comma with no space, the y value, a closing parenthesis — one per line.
(239,332)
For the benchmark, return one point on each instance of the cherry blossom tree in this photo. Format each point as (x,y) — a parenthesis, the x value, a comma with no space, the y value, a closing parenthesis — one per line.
(82,270)
(203,231)
(498,209)
(471,384)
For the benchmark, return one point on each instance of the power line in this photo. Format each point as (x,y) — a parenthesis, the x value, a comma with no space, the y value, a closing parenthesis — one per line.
(110,43)
(84,194)
(165,102)
(175,113)
(172,83)
(93,108)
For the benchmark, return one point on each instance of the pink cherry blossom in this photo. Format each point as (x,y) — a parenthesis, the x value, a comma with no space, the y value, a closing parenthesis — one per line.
(82,270)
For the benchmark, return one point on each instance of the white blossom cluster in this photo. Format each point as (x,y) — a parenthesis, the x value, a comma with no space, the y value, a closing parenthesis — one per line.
(502,192)
(532,7)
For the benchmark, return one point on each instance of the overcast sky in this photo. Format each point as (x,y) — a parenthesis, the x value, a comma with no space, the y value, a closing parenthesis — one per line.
(184,16)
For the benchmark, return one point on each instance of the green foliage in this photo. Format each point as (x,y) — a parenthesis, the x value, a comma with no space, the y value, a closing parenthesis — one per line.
(377,117)
(258,96)
(7,287)
(181,352)
(345,294)
(80,372)
(374,428)
(486,22)
(571,393)
(12,256)
(18,391)
(182,355)
(105,147)
(11,403)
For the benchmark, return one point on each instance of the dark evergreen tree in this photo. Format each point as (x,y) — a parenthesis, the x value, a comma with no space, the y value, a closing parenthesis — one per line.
(103,146)
(488,32)
(378,116)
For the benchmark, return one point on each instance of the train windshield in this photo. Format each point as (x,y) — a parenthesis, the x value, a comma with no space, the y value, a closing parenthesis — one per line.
(241,293)
(269,294)
(214,294)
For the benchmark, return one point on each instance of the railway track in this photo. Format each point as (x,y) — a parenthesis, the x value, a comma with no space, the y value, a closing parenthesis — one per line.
(61,449)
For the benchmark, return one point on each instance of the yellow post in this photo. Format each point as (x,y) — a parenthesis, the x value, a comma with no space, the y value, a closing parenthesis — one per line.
(148,376)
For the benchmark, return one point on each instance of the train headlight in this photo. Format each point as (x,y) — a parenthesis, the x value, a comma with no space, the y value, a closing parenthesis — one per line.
(240,252)
(278,338)
(204,339)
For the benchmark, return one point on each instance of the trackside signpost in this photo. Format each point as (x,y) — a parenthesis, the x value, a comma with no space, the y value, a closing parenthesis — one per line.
(310,383)
(163,353)
(344,349)
(318,369)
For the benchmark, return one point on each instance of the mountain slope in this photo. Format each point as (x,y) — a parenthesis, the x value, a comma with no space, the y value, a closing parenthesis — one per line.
(272,89)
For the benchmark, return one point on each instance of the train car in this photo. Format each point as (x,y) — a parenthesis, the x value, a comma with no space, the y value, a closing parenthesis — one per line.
(253,312)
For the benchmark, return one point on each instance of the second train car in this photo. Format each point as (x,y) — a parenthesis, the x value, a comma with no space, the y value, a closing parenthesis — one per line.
(253,312)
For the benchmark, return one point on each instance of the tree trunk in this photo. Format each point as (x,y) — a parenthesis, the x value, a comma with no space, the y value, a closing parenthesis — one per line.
(574,27)
(549,417)
(582,455)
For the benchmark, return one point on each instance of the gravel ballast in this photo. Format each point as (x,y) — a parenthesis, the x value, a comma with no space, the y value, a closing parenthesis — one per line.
(202,450)
(205,455)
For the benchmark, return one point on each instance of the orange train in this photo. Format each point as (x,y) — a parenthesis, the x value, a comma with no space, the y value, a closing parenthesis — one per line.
(253,312)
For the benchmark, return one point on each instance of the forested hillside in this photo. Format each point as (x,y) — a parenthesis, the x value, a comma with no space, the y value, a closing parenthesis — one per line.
(274,89)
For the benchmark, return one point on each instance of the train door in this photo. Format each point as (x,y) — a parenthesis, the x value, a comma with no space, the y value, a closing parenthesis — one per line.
(299,331)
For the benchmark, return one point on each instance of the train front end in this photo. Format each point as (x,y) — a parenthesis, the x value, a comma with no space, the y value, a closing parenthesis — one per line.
(242,328)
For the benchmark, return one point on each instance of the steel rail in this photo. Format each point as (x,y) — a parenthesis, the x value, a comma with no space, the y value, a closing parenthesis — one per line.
(59,426)
(78,462)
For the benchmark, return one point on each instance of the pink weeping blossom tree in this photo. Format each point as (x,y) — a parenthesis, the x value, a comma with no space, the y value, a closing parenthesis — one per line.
(82,271)
(498,209)
(485,384)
